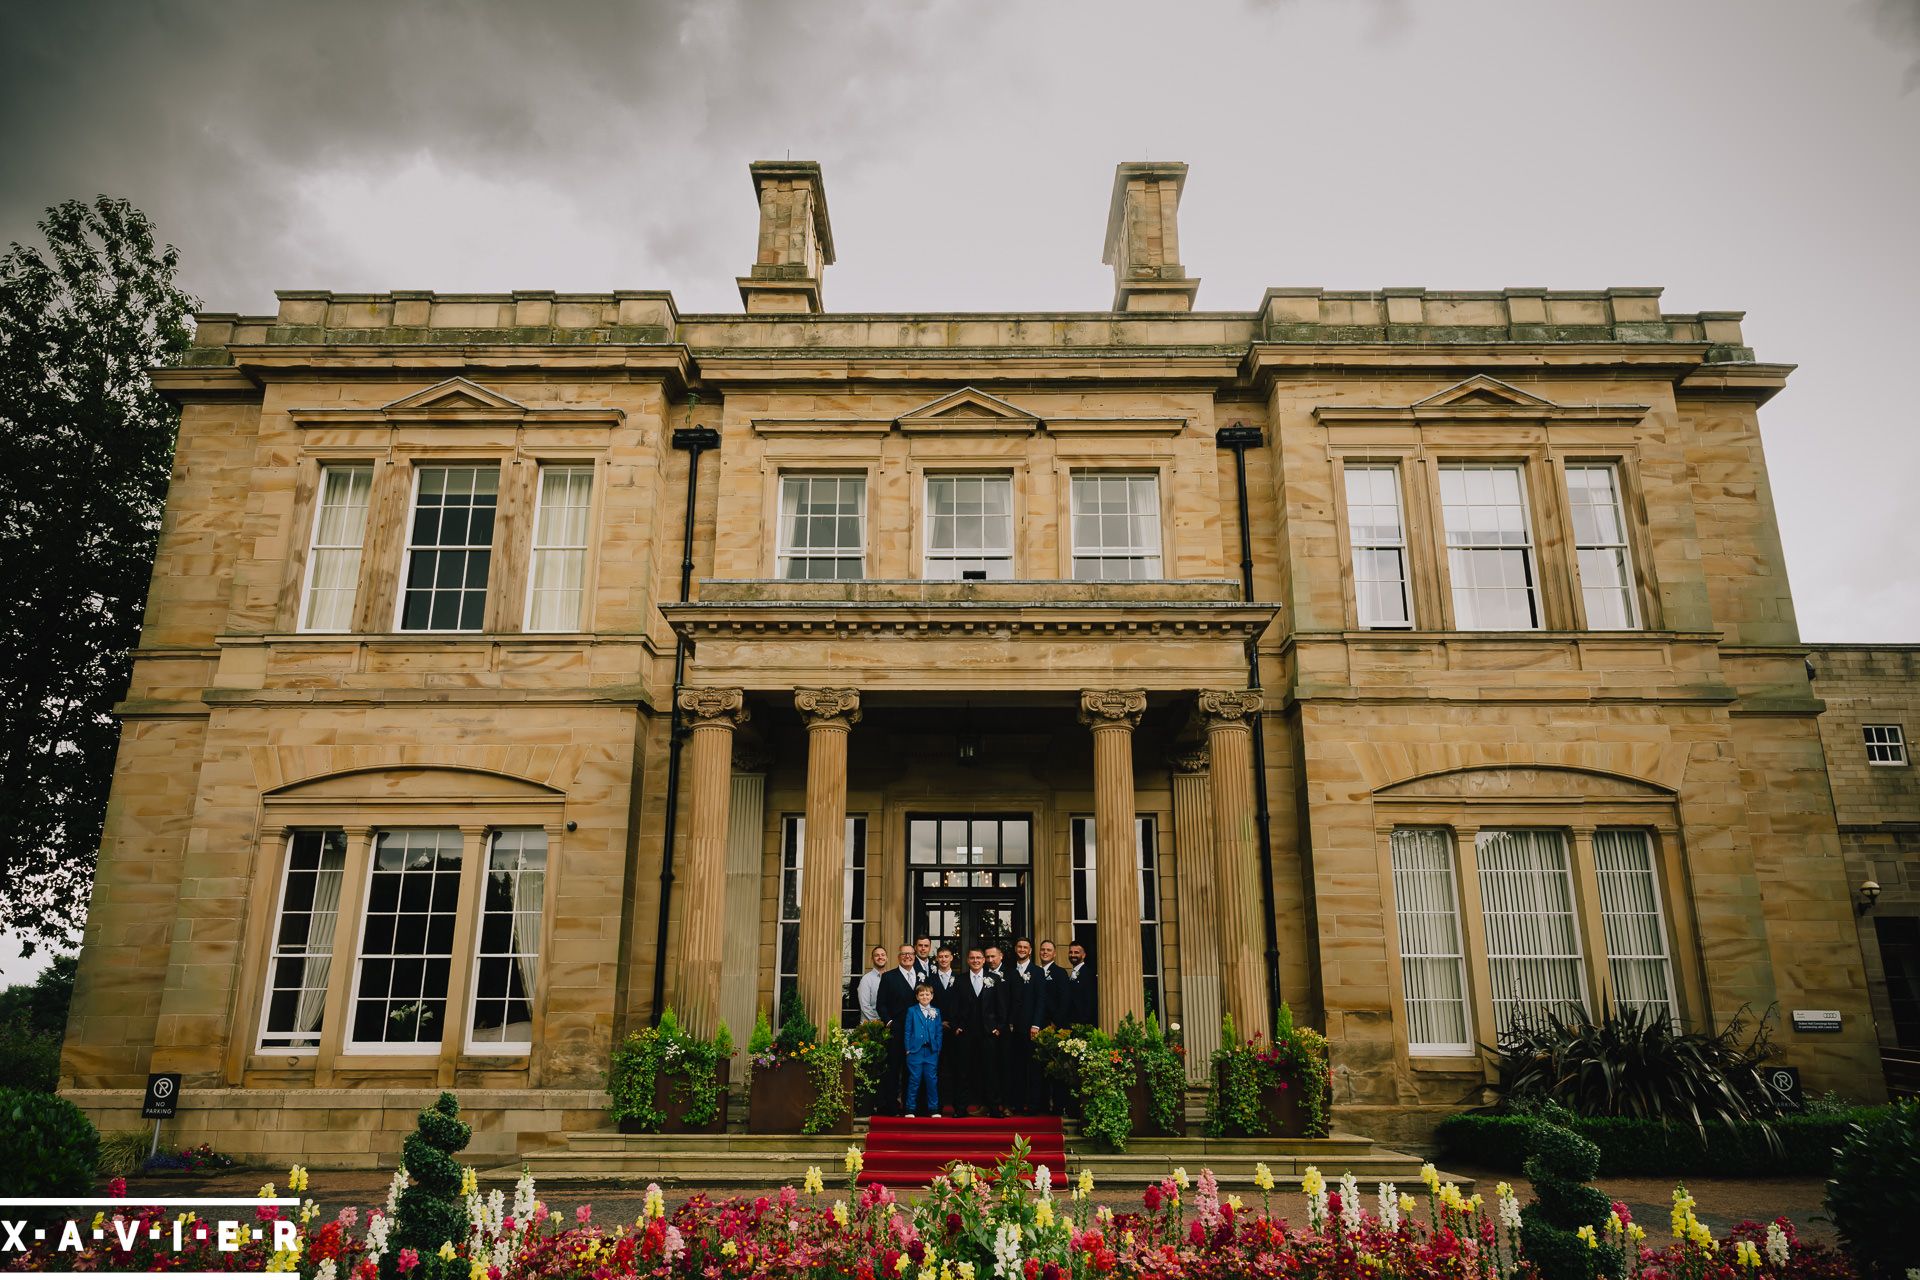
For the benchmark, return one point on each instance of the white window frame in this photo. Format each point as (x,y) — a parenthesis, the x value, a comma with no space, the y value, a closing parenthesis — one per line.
(1889,740)
(957,556)
(1511,905)
(785,554)
(401,1048)
(559,550)
(1402,910)
(1529,560)
(503,1048)
(409,547)
(315,547)
(1627,588)
(1100,555)
(1084,899)
(1609,917)
(1355,546)
(853,909)
(275,955)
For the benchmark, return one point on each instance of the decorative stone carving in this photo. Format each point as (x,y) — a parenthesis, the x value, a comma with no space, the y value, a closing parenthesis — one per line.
(1219,705)
(1112,708)
(839,707)
(1190,757)
(710,706)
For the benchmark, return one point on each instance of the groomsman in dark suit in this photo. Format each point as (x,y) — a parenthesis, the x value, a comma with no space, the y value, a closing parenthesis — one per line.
(1055,1009)
(923,957)
(981,1022)
(947,998)
(1086,991)
(893,1002)
(1026,1014)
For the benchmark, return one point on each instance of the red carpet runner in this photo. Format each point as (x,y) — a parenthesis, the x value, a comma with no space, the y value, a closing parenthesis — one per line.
(908,1153)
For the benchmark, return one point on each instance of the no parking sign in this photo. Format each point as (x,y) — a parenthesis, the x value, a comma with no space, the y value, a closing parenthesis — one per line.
(163,1096)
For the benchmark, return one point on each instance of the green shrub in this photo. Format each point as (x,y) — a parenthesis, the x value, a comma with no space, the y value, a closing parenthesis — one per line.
(1559,1164)
(1646,1148)
(690,1063)
(430,1211)
(29,1059)
(47,1147)
(1870,1198)
(1634,1062)
(122,1152)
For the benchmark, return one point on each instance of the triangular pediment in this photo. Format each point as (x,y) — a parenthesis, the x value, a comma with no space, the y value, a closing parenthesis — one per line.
(1483,391)
(455,395)
(968,409)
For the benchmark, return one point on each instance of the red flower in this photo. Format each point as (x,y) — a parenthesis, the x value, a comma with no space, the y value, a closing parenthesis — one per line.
(1151,1198)
(1050,1272)
(1196,1234)
(1032,1269)
(1104,1260)
(954,1224)
(117,1188)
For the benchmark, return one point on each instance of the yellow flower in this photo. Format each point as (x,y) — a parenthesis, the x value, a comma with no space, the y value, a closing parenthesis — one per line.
(469,1182)
(267,1192)
(1086,1182)
(446,1251)
(1586,1234)
(729,1249)
(1636,1232)
(1180,1178)
(1126,1239)
(1263,1176)
(853,1160)
(99,1218)
(840,1212)
(814,1184)
(478,1271)
(1312,1183)
(1043,1214)
(1474,1205)
(900,1265)
(966,1271)
(1406,1203)
(1504,1191)
(962,1175)
(1233,1203)
(1430,1176)
(297,1178)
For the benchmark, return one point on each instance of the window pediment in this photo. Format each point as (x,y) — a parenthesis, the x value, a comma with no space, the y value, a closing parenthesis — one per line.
(968,410)
(1523,783)
(453,402)
(1481,399)
(412,783)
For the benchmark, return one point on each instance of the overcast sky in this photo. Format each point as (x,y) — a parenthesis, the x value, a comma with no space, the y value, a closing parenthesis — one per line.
(1745,155)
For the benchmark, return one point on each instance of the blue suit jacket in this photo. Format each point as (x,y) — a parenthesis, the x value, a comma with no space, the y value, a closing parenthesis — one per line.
(924,1035)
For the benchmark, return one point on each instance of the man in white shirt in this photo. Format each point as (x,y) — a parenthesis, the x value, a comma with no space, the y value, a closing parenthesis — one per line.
(868,991)
(893,1001)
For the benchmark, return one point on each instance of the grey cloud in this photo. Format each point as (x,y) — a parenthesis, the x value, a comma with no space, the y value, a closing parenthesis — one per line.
(1899,22)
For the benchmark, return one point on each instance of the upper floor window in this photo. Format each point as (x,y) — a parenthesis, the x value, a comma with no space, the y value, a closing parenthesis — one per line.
(333,563)
(969,527)
(1600,542)
(1378,538)
(556,586)
(449,548)
(1116,526)
(1489,548)
(1886,744)
(302,956)
(823,526)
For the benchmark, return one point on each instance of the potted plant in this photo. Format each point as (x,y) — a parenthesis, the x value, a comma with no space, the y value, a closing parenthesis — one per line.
(1276,1090)
(1097,1074)
(802,1081)
(667,1080)
(1156,1091)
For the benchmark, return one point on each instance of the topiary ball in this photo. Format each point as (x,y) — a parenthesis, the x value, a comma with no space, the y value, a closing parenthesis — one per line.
(48,1147)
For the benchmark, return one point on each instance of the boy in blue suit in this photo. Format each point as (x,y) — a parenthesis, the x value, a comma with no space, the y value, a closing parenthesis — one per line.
(923,1034)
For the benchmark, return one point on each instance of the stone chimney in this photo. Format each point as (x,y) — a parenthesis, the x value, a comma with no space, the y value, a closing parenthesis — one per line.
(1143,239)
(796,240)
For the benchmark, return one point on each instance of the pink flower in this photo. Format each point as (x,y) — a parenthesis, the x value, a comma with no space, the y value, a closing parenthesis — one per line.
(117,1188)
(583,1215)
(408,1261)
(349,1217)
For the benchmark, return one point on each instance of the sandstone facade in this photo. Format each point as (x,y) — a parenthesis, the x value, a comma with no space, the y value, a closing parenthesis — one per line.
(1093,678)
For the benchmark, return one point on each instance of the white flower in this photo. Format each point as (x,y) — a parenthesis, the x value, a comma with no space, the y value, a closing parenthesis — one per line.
(400,1183)
(1350,1203)
(1389,1206)
(1777,1248)
(1509,1208)
(325,1271)
(1006,1251)
(1043,1181)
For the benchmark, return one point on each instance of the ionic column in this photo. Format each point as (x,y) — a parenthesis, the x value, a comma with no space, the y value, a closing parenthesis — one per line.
(1236,873)
(711,716)
(1113,714)
(829,715)
(1199,939)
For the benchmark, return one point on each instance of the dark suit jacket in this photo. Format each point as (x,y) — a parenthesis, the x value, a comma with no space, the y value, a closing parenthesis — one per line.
(895,998)
(1026,998)
(945,1000)
(1086,995)
(1055,997)
(978,1017)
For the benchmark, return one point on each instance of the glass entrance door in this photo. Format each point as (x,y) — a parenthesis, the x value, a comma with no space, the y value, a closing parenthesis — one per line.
(967,879)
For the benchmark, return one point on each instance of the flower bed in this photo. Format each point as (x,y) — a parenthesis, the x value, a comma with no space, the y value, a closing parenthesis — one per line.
(970,1225)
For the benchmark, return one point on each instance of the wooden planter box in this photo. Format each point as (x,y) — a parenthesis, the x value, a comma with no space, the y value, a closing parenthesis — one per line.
(669,1100)
(1285,1119)
(1140,1113)
(781,1095)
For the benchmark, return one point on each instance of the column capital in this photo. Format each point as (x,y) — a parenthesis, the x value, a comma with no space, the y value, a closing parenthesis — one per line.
(1227,706)
(1112,708)
(1190,757)
(839,708)
(714,706)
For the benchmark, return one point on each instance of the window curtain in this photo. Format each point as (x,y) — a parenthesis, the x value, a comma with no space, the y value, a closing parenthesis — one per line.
(1432,970)
(1533,943)
(1637,956)
(321,924)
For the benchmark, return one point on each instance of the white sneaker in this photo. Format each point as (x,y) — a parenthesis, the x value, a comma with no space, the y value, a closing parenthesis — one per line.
(908,1116)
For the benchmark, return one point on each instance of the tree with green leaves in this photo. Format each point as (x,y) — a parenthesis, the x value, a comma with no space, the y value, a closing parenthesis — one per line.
(88,447)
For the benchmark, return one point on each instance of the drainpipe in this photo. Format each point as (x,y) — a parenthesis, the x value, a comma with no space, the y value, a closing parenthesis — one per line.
(1240,437)
(695,440)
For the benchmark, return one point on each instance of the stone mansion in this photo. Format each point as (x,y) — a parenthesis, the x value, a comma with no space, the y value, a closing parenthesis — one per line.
(519,665)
